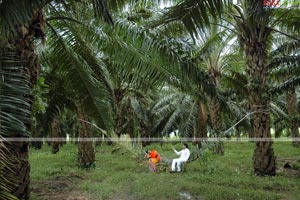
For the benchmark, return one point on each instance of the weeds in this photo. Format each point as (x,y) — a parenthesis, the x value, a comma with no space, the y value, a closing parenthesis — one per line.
(119,175)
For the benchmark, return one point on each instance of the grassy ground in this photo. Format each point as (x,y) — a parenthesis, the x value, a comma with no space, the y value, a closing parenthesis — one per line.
(120,176)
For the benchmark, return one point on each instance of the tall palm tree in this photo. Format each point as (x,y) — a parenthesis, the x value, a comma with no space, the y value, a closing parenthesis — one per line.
(21,23)
(213,53)
(293,114)
(254,24)
(85,81)
(19,60)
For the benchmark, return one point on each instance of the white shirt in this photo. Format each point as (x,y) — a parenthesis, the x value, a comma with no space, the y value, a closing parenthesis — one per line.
(184,154)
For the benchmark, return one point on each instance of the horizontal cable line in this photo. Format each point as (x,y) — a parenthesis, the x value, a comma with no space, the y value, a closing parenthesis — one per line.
(157,139)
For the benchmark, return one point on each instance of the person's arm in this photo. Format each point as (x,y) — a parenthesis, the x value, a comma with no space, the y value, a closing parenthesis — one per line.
(177,152)
(146,155)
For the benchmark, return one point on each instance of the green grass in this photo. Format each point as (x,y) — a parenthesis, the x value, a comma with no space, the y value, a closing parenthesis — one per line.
(120,176)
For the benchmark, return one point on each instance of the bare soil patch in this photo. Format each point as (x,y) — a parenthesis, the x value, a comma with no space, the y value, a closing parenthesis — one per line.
(288,167)
(59,187)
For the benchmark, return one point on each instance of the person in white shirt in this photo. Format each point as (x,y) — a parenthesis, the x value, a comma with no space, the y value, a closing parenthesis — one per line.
(184,156)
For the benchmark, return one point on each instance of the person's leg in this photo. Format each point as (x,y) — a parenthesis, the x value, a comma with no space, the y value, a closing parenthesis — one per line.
(174,163)
(179,162)
(151,167)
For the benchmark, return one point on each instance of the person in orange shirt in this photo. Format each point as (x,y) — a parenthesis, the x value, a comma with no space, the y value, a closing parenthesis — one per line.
(153,158)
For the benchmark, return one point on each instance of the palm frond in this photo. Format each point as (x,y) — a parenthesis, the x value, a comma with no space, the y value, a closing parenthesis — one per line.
(176,111)
(188,123)
(236,81)
(122,4)
(123,53)
(138,109)
(194,14)
(278,111)
(79,65)
(137,54)
(165,103)
(288,19)
(210,42)
(287,48)
(14,92)
(290,83)
(176,60)
(101,10)
(283,66)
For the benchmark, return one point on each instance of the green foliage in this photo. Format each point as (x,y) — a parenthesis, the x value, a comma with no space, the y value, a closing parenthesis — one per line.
(15,13)
(39,92)
(176,110)
(85,78)
(194,14)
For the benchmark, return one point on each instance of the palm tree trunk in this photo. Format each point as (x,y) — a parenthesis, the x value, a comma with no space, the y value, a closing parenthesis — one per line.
(251,133)
(200,134)
(16,177)
(22,45)
(216,122)
(238,133)
(36,133)
(56,134)
(86,153)
(256,55)
(118,119)
(19,170)
(292,112)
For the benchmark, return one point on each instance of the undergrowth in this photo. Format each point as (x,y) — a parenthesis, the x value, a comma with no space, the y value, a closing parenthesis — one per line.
(120,175)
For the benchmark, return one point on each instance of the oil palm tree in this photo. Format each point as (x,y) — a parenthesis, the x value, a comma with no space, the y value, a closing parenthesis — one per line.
(85,80)
(21,24)
(20,61)
(213,53)
(254,24)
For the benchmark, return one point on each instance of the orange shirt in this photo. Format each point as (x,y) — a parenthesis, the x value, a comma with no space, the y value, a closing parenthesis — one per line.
(154,156)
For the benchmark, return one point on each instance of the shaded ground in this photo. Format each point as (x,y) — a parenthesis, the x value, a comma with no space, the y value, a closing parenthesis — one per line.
(60,187)
(288,167)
